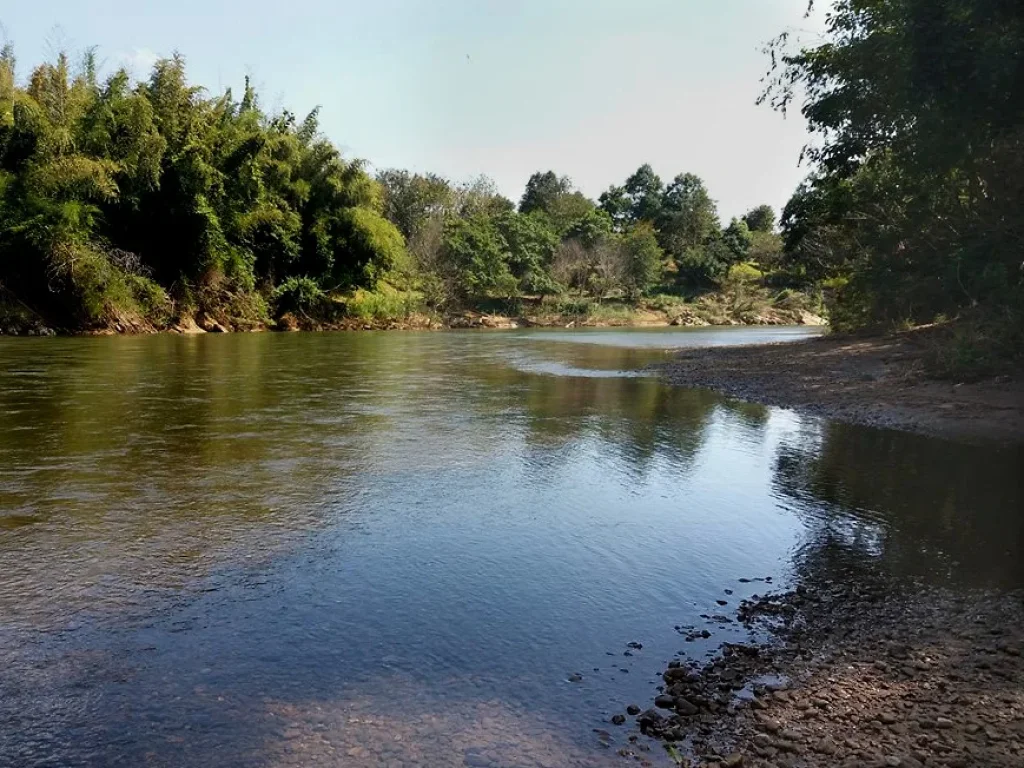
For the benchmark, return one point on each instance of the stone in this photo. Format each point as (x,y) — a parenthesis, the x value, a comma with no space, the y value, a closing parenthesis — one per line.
(618,719)
(735,760)
(633,709)
(665,701)
(650,718)
(678,674)
(686,707)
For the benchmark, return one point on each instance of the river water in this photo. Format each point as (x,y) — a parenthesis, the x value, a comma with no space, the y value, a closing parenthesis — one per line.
(405,549)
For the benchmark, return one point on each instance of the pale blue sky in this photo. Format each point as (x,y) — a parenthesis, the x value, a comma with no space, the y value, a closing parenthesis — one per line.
(588,88)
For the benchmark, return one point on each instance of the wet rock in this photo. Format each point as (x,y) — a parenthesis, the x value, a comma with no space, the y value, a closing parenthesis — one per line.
(685,707)
(650,719)
(665,701)
(618,719)
(633,709)
(678,674)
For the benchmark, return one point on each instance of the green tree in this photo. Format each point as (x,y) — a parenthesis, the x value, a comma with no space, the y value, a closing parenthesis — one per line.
(913,201)
(737,239)
(688,217)
(760,219)
(643,259)
(530,246)
(478,253)
(543,190)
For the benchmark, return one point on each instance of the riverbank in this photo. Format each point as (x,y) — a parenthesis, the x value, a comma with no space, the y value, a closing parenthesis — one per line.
(709,310)
(856,672)
(876,381)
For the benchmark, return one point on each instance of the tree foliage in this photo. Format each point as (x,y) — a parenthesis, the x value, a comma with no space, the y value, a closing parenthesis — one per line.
(125,200)
(106,187)
(913,202)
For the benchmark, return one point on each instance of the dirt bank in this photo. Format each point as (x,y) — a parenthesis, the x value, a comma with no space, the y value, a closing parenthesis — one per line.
(856,673)
(874,381)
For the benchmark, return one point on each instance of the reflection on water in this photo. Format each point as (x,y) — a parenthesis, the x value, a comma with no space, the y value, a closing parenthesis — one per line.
(394,549)
(921,508)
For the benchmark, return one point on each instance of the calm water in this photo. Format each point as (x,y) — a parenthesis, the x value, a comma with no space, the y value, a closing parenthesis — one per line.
(394,549)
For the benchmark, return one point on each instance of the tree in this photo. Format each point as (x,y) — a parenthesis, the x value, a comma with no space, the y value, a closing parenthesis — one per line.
(760,219)
(476,250)
(642,257)
(918,167)
(737,239)
(542,192)
(530,246)
(639,199)
(688,217)
(410,199)
(617,205)
(645,190)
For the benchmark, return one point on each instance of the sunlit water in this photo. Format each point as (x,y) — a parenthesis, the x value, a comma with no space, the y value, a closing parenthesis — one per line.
(396,549)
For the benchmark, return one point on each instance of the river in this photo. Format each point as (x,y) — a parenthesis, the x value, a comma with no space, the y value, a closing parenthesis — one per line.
(405,549)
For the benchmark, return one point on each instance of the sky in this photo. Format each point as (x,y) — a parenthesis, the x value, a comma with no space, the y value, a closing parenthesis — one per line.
(591,89)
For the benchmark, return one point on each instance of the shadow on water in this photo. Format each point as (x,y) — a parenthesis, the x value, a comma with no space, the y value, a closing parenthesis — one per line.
(394,549)
(913,507)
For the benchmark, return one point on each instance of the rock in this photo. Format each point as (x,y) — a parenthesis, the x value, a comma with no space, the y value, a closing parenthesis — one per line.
(575,678)
(888,718)
(893,762)
(650,718)
(665,701)
(618,719)
(944,723)
(735,760)
(678,674)
(633,709)
(685,707)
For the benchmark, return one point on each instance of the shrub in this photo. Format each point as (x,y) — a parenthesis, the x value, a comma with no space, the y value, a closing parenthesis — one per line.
(299,295)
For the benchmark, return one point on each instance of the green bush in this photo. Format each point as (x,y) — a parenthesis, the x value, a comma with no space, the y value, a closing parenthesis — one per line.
(383,303)
(299,295)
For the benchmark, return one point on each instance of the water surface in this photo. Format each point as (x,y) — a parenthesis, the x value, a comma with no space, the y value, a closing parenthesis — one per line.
(396,548)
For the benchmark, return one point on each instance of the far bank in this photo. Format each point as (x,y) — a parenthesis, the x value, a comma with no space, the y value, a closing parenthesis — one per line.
(364,310)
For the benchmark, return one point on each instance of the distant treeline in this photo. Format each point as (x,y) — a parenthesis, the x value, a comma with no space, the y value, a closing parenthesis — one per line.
(141,202)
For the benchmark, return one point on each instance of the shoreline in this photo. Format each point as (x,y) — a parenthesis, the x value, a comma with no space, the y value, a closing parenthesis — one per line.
(856,672)
(637,318)
(871,381)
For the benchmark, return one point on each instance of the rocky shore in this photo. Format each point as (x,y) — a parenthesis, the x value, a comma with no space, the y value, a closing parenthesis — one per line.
(876,381)
(856,673)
